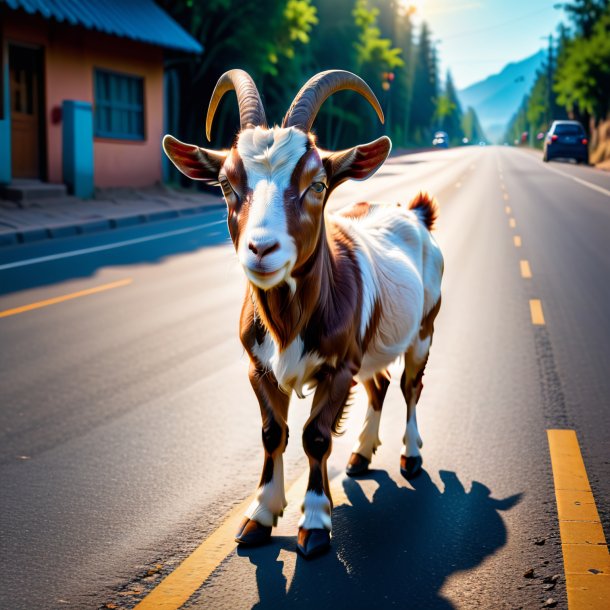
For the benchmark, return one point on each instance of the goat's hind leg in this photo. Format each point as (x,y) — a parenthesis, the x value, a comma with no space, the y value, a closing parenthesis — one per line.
(368,441)
(411,385)
(270,499)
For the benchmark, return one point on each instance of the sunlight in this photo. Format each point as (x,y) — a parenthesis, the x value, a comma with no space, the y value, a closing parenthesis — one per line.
(412,6)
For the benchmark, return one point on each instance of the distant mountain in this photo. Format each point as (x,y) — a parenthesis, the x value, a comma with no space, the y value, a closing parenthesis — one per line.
(498,97)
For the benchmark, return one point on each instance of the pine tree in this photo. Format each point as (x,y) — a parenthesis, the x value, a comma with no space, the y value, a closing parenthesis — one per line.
(424,88)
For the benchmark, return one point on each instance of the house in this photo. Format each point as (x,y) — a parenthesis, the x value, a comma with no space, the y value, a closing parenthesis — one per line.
(82,91)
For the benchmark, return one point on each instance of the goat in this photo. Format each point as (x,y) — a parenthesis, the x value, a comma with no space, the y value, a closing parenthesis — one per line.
(331,299)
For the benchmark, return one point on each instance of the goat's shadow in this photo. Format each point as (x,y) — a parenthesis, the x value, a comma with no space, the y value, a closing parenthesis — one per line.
(396,551)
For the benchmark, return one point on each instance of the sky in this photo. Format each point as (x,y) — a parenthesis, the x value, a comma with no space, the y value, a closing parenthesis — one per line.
(478,38)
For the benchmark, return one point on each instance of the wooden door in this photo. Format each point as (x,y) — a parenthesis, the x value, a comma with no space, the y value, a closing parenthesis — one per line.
(26,112)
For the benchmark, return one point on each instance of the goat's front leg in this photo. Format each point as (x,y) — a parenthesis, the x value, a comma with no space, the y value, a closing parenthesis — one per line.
(330,398)
(270,500)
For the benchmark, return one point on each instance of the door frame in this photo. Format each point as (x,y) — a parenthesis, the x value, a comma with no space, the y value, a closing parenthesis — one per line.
(39,50)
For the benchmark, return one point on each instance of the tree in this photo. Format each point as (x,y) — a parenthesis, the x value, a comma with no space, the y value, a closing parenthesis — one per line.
(230,32)
(585,14)
(449,112)
(424,88)
(582,82)
(471,127)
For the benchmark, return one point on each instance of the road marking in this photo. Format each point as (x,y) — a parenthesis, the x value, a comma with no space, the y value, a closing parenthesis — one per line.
(505,196)
(512,223)
(503,187)
(536,311)
(66,297)
(526,272)
(595,187)
(517,241)
(176,588)
(585,553)
(118,244)
(507,209)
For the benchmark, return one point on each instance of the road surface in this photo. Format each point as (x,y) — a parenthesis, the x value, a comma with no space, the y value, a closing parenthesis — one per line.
(129,432)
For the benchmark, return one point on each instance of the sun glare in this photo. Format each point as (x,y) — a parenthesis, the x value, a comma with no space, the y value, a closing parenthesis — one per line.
(412,6)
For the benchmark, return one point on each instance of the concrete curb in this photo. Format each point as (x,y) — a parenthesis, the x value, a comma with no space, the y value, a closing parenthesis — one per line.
(57,231)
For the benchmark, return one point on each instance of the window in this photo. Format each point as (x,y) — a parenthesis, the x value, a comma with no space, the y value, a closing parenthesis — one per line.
(119,106)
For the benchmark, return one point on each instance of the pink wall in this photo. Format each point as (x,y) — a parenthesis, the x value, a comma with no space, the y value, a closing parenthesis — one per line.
(71,54)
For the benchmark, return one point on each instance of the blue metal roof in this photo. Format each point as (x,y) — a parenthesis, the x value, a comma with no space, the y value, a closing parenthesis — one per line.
(140,20)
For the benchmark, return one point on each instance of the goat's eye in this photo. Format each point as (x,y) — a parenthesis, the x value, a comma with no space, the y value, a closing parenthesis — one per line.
(318,187)
(227,189)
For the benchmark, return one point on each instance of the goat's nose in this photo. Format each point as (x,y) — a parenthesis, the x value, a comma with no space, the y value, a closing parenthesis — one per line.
(262,247)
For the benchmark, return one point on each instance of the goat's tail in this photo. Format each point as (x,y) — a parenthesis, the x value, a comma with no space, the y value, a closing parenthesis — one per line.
(426,209)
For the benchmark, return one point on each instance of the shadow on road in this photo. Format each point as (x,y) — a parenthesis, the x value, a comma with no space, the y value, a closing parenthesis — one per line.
(396,551)
(140,248)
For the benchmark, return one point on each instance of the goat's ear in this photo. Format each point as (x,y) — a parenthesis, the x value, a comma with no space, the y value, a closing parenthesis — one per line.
(194,162)
(358,163)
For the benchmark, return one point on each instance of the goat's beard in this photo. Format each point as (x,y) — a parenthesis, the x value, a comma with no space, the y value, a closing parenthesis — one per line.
(269,281)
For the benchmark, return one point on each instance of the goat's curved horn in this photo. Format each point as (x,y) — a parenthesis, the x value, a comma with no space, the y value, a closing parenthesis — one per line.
(317,89)
(251,111)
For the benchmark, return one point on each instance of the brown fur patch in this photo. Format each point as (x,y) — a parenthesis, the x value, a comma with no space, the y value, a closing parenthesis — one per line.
(358,210)
(426,209)
(376,389)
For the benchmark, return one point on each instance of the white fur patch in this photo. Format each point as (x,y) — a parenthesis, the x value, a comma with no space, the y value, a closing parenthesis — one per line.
(401,266)
(292,368)
(269,157)
(270,500)
(316,512)
(412,442)
(368,441)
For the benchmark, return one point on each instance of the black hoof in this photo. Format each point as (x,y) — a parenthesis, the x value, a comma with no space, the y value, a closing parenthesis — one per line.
(357,465)
(252,533)
(314,542)
(410,466)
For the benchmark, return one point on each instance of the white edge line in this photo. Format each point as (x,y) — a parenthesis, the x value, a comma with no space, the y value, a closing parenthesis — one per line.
(595,187)
(118,244)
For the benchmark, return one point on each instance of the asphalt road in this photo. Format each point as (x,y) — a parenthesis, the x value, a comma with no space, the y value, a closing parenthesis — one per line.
(128,429)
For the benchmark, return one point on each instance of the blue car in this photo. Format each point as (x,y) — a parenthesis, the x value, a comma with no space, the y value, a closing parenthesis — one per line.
(441,139)
(566,140)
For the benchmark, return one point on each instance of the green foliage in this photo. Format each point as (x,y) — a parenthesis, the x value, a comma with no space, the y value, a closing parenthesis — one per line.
(471,127)
(449,113)
(281,43)
(371,48)
(582,81)
(425,89)
(585,14)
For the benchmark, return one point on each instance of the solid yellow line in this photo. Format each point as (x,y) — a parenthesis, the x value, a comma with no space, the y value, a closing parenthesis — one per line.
(517,241)
(176,588)
(526,272)
(585,552)
(512,223)
(65,297)
(536,311)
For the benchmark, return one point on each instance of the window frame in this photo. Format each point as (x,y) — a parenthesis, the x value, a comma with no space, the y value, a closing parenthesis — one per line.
(114,105)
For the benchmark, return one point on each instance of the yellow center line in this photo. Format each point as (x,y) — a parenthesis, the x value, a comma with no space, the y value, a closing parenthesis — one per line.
(526,272)
(517,241)
(512,223)
(507,209)
(176,588)
(65,297)
(585,553)
(536,311)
